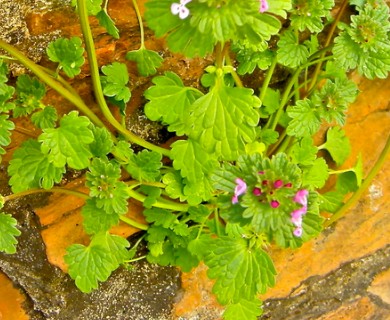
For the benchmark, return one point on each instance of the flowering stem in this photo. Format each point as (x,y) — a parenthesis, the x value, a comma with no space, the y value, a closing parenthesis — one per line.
(363,187)
(98,91)
(51,82)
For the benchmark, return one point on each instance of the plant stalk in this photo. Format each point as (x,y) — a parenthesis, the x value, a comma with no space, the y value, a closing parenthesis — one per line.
(98,91)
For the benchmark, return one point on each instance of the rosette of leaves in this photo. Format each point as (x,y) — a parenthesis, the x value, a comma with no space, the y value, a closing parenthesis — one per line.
(268,202)
(365,43)
(214,21)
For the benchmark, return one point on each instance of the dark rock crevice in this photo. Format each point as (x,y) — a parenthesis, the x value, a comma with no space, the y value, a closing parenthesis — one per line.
(319,295)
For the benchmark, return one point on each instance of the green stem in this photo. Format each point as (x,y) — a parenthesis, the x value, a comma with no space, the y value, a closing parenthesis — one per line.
(141,24)
(268,78)
(234,74)
(363,187)
(274,119)
(51,82)
(327,42)
(136,259)
(54,189)
(134,223)
(160,203)
(339,171)
(98,91)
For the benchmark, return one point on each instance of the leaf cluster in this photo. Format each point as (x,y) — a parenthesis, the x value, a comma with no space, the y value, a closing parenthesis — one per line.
(210,23)
(365,44)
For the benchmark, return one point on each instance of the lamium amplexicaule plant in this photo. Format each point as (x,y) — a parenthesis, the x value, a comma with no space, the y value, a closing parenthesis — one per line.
(244,174)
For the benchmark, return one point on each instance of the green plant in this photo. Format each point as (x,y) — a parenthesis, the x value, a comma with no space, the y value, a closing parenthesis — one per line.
(246,175)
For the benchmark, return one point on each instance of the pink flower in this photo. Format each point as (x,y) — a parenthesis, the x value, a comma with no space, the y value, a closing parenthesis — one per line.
(301,197)
(288,185)
(299,212)
(275,204)
(181,9)
(239,189)
(278,184)
(257,191)
(263,6)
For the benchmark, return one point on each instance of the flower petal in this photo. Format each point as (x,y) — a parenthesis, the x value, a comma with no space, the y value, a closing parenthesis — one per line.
(184,12)
(175,8)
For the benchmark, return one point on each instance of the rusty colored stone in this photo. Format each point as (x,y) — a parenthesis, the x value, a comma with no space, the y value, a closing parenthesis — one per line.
(11,301)
(380,287)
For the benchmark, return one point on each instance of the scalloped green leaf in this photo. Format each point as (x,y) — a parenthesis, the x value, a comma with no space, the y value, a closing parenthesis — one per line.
(30,168)
(147,61)
(97,219)
(225,120)
(240,272)
(106,21)
(5,135)
(68,53)
(145,166)
(290,52)
(195,166)
(8,233)
(115,80)
(45,118)
(69,143)
(243,310)
(337,144)
(305,119)
(170,102)
(90,264)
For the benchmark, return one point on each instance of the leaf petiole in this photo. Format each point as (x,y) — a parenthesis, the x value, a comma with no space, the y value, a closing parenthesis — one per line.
(134,223)
(363,187)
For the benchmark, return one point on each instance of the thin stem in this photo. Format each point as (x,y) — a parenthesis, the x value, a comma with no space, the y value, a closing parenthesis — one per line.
(268,77)
(54,84)
(160,203)
(141,24)
(136,259)
(340,171)
(363,187)
(54,189)
(274,119)
(234,74)
(134,223)
(327,42)
(98,91)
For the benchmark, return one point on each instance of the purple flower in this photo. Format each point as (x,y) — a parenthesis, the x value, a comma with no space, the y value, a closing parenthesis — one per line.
(301,197)
(239,189)
(296,216)
(298,231)
(180,9)
(278,184)
(263,6)
(275,204)
(299,212)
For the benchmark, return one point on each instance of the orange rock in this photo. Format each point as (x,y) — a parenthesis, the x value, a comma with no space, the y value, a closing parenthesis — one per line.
(381,286)
(11,301)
